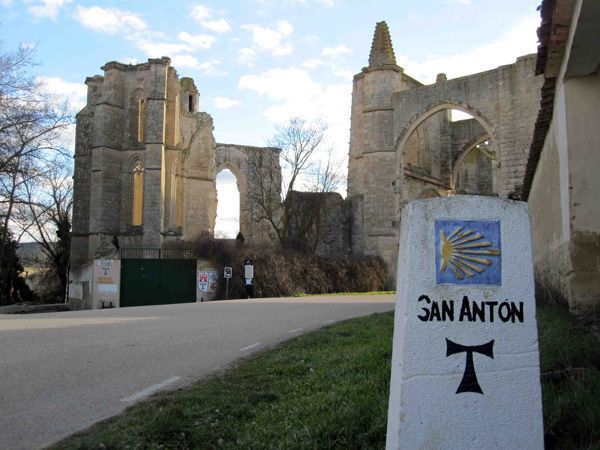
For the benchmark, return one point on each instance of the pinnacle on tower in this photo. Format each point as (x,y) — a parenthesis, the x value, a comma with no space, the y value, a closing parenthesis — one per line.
(382,52)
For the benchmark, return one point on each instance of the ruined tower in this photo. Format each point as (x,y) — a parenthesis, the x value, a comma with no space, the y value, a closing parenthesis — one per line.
(146,163)
(404,144)
(371,161)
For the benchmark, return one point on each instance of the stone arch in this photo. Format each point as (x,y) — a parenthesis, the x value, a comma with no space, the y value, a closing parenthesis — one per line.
(467,148)
(417,119)
(239,159)
(427,112)
(241,182)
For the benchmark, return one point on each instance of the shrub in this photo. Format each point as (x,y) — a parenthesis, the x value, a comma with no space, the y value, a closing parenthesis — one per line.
(283,273)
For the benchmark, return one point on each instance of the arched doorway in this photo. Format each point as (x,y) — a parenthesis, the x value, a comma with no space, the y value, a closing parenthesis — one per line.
(227,223)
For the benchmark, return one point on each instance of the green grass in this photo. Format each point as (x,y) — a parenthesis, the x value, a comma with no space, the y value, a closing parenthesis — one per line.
(333,294)
(326,389)
(570,367)
(329,389)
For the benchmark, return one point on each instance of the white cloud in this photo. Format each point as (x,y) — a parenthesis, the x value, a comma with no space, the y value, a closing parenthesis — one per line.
(336,52)
(327,3)
(225,102)
(272,39)
(6,2)
(185,61)
(200,13)
(197,41)
(246,56)
(344,74)
(293,92)
(312,63)
(156,50)
(75,94)
(109,20)
(210,67)
(46,8)
(519,40)
(203,15)
(61,90)
(218,26)
(464,2)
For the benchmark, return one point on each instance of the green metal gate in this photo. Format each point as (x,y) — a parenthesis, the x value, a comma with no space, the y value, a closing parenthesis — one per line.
(156,280)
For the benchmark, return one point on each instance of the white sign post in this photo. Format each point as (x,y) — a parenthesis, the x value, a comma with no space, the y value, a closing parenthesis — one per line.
(465,364)
(227,273)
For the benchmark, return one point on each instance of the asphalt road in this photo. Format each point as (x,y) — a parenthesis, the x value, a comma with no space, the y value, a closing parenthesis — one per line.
(61,372)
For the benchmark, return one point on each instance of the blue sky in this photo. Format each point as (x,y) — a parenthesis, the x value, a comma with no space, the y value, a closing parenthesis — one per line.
(259,62)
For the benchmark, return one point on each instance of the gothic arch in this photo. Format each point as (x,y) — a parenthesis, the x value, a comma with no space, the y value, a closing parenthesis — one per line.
(467,148)
(241,181)
(417,119)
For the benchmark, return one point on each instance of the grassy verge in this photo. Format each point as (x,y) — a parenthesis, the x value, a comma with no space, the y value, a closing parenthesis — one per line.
(334,294)
(570,366)
(326,389)
(329,389)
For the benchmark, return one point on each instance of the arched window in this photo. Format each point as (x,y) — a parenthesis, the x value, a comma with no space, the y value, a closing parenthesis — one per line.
(138,194)
(141,113)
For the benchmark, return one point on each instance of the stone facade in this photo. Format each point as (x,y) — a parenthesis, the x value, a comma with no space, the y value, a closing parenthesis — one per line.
(143,120)
(404,146)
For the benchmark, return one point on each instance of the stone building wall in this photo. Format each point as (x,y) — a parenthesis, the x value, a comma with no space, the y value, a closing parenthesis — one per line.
(241,160)
(403,145)
(321,223)
(145,116)
(562,183)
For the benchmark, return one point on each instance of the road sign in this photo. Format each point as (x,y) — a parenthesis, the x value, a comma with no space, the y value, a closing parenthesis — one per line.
(249,269)
(228,272)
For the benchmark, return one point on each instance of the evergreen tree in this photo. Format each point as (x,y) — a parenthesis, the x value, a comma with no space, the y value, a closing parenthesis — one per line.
(12,284)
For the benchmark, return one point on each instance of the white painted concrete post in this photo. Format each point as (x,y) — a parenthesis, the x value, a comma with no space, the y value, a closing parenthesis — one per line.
(465,364)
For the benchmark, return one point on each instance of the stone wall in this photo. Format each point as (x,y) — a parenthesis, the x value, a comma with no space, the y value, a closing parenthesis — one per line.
(562,183)
(145,116)
(321,223)
(243,162)
(403,145)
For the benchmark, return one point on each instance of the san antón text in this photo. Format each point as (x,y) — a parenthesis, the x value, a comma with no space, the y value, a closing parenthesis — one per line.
(470,310)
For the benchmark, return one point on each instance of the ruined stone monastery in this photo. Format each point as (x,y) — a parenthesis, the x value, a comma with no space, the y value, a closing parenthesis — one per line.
(146,160)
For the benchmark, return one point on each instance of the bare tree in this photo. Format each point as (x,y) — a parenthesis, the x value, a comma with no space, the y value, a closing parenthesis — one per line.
(277,199)
(31,123)
(45,217)
(326,176)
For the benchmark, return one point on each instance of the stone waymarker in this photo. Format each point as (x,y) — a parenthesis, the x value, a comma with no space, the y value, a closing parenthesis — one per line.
(465,365)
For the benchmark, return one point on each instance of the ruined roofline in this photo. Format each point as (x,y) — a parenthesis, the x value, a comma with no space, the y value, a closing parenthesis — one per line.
(488,71)
(247,147)
(165,60)
(395,68)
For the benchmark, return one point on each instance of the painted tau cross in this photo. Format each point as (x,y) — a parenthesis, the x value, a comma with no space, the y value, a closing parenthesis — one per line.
(469,381)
